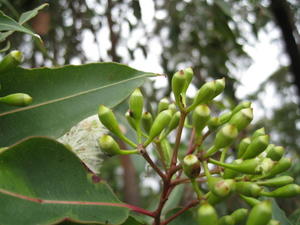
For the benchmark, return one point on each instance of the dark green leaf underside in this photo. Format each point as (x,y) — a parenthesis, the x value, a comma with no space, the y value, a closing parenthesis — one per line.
(41,182)
(62,97)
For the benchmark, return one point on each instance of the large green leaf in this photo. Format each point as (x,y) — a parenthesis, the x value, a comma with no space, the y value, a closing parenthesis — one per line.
(62,97)
(42,182)
(26,16)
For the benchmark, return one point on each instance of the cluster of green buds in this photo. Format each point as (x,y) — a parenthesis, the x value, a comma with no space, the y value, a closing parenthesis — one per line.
(253,175)
(10,61)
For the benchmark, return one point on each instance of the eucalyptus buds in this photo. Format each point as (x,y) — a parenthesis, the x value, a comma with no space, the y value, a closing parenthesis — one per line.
(260,214)
(17,99)
(13,59)
(136,103)
(207,215)
(191,166)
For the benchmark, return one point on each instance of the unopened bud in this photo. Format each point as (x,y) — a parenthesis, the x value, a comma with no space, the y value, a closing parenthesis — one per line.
(213,123)
(257,146)
(241,106)
(242,118)
(205,94)
(248,188)
(136,104)
(245,142)
(163,105)
(189,76)
(225,117)
(275,153)
(200,118)
(260,214)
(276,181)
(178,84)
(17,99)
(248,166)
(130,119)
(286,191)
(13,59)
(108,119)
(207,215)
(147,121)
(220,85)
(282,165)
(108,145)
(239,215)
(258,132)
(226,220)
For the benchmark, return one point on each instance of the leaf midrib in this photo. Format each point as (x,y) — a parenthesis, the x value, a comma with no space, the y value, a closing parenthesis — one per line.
(72,96)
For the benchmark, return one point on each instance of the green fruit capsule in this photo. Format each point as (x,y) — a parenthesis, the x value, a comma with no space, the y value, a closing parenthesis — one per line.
(17,99)
(191,166)
(282,165)
(136,104)
(204,95)
(200,118)
(220,85)
(286,191)
(163,105)
(108,119)
(273,222)
(213,123)
(130,119)
(224,137)
(245,142)
(241,106)
(222,188)
(257,146)
(242,118)
(226,220)
(13,59)
(161,121)
(189,76)
(275,153)
(239,215)
(250,201)
(207,215)
(248,166)
(260,214)
(258,132)
(147,121)
(178,84)
(225,117)
(108,145)
(248,188)
(276,181)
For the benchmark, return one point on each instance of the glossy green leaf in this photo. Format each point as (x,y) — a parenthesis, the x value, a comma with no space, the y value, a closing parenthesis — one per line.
(278,214)
(26,16)
(62,97)
(185,218)
(42,182)
(9,24)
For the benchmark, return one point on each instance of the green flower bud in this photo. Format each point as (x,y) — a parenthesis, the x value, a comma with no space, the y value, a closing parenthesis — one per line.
(222,188)
(214,199)
(108,119)
(207,215)
(174,122)
(248,189)
(147,121)
(224,137)
(242,118)
(275,153)
(225,117)
(220,85)
(257,146)
(204,95)
(130,119)
(258,132)
(17,99)
(178,84)
(241,106)
(163,105)
(191,166)
(172,107)
(260,214)
(213,123)
(276,181)
(273,222)
(108,145)
(239,215)
(248,166)
(226,220)
(189,76)
(13,59)
(200,118)
(136,103)
(282,165)
(286,191)
(161,121)
(229,173)
(245,142)
(250,201)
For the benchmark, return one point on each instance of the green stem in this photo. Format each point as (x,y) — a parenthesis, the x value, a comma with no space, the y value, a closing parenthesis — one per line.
(128,152)
(128,141)
(197,189)
(223,155)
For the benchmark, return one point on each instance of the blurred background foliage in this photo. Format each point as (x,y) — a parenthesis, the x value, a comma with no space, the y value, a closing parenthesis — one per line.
(208,35)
